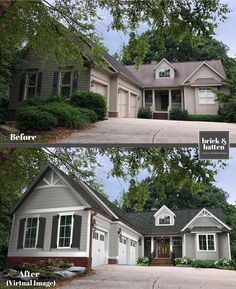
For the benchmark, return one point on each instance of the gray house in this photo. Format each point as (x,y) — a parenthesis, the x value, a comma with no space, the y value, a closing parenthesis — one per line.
(161,86)
(59,217)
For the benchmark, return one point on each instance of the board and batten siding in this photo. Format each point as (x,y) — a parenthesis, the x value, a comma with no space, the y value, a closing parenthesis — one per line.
(223,245)
(47,251)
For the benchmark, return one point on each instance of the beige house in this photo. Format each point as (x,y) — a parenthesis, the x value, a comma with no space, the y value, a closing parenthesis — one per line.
(160,86)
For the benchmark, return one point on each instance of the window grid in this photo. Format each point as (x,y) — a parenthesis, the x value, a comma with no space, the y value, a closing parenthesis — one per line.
(164,72)
(31,84)
(206,242)
(31,232)
(66,83)
(164,220)
(206,96)
(65,231)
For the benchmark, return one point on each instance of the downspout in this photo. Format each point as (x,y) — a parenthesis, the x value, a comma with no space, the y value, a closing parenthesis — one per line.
(91,236)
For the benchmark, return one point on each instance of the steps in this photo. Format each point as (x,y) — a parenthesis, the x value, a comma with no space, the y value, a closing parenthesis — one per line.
(161,262)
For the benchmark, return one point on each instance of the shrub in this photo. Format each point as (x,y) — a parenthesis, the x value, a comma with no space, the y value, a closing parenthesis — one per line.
(144,112)
(38,100)
(38,268)
(203,264)
(213,118)
(229,110)
(90,100)
(3,109)
(225,262)
(143,261)
(178,114)
(32,118)
(59,263)
(185,261)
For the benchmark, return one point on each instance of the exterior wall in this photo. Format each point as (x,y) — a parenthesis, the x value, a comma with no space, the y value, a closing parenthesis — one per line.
(190,246)
(164,64)
(164,211)
(223,244)
(113,243)
(211,109)
(46,250)
(205,222)
(189,100)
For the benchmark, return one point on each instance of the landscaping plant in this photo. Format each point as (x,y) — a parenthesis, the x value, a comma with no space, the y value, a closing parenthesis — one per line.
(144,112)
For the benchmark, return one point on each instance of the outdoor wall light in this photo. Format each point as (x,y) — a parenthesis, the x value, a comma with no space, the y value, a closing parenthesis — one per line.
(93,223)
(119,231)
(140,241)
(119,90)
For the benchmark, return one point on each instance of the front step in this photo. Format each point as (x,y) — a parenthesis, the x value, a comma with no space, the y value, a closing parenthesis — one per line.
(161,262)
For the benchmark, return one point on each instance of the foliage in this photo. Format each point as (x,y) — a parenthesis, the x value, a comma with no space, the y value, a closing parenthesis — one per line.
(185,261)
(90,100)
(213,118)
(3,108)
(32,118)
(144,112)
(61,263)
(37,268)
(36,100)
(203,264)
(221,263)
(232,222)
(142,261)
(226,262)
(178,114)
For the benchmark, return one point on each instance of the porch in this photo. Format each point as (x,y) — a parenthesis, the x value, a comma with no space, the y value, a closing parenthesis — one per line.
(162,101)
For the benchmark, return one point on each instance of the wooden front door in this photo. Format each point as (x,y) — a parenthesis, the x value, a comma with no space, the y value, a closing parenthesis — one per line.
(163,248)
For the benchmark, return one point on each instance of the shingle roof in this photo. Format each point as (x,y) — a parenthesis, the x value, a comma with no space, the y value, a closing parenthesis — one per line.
(183,70)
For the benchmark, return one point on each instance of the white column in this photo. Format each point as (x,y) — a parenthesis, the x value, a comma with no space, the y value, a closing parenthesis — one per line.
(152,244)
(142,240)
(228,237)
(183,246)
(129,103)
(171,245)
(153,100)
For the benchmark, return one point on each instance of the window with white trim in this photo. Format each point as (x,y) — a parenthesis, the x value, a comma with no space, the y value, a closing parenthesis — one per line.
(95,235)
(31,232)
(206,96)
(65,231)
(31,84)
(164,72)
(164,220)
(206,242)
(66,83)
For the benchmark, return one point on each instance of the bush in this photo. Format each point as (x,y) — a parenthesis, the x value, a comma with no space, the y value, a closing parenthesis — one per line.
(229,110)
(59,263)
(185,261)
(226,262)
(37,100)
(90,100)
(32,118)
(143,261)
(3,109)
(213,118)
(203,264)
(144,112)
(178,114)
(38,268)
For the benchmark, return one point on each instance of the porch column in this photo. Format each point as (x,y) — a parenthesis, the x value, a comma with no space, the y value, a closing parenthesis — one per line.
(129,103)
(228,237)
(169,107)
(142,245)
(171,245)
(152,244)
(183,246)
(153,100)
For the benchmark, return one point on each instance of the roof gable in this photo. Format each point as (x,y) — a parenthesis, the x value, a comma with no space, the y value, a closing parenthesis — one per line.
(161,62)
(164,209)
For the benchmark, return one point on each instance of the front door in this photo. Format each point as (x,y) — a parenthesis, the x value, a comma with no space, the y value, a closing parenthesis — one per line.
(164,101)
(164,248)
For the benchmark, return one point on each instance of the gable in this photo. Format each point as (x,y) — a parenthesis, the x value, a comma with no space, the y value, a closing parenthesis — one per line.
(164,212)
(163,65)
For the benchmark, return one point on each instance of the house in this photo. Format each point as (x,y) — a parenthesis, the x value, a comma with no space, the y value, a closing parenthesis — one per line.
(161,86)
(59,217)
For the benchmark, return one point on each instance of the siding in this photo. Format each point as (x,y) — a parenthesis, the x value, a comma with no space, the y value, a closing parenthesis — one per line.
(208,255)
(205,72)
(190,245)
(47,251)
(189,100)
(205,222)
(113,105)
(113,241)
(223,245)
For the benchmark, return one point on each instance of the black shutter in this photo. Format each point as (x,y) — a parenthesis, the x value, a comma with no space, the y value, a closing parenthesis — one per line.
(76,231)
(54,231)
(41,233)
(55,83)
(39,84)
(75,82)
(22,87)
(21,234)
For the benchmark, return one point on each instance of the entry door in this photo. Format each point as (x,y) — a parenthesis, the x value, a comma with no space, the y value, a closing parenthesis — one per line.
(122,251)
(123,103)
(98,248)
(164,101)
(163,248)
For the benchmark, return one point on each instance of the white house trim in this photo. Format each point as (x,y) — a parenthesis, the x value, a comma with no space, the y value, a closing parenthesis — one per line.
(210,216)
(37,232)
(206,234)
(124,225)
(164,60)
(71,231)
(52,210)
(162,208)
(228,237)
(58,253)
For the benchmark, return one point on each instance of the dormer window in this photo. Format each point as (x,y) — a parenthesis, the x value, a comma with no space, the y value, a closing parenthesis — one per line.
(164,220)
(164,72)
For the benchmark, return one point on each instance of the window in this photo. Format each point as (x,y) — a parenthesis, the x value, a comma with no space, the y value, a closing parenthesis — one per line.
(31,84)
(66,83)
(164,72)
(101,237)
(164,220)
(206,242)
(95,235)
(206,96)
(132,244)
(123,240)
(65,231)
(176,242)
(31,232)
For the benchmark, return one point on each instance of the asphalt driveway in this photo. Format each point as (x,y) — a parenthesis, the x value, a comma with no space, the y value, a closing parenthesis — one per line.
(147,131)
(137,277)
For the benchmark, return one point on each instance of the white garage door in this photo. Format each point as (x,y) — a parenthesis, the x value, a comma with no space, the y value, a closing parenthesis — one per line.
(132,259)
(98,248)
(133,105)
(122,250)
(99,88)
(123,103)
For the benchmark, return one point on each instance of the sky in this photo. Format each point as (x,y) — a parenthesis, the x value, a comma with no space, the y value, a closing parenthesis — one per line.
(114,187)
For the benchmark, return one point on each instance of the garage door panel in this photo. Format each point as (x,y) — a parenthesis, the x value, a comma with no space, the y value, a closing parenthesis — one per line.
(98,248)
(122,250)
(133,258)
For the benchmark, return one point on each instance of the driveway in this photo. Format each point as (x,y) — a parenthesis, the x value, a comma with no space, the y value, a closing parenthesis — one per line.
(147,131)
(136,277)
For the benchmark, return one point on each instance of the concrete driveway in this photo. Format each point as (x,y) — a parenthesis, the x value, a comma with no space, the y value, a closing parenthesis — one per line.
(136,277)
(147,131)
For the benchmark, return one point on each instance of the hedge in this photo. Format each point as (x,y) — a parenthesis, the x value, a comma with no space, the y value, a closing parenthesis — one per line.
(144,112)
(90,100)
(213,118)
(178,114)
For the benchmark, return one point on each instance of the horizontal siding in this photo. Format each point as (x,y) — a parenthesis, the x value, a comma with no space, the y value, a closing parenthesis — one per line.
(205,72)
(205,222)
(113,94)
(190,246)
(113,241)
(223,245)
(84,80)
(189,100)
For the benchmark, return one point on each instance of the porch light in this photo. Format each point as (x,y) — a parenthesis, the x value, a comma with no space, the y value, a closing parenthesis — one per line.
(119,90)
(119,232)
(93,223)
(140,241)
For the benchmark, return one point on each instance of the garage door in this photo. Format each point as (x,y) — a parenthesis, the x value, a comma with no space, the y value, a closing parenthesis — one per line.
(99,88)
(123,103)
(133,259)
(98,248)
(122,250)
(133,105)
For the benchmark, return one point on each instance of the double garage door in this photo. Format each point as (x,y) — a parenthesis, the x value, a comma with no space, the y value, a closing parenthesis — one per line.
(127,251)
(128,105)
(99,254)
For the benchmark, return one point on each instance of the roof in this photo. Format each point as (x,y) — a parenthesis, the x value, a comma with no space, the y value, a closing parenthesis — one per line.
(145,74)
(145,221)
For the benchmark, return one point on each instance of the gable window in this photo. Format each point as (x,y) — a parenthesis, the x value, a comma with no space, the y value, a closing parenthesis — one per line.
(164,72)
(65,231)
(206,242)
(164,220)
(31,84)
(206,96)
(31,232)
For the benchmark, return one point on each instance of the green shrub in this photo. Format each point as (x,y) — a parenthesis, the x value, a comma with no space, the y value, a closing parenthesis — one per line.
(226,262)
(229,110)
(38,268)
(203,264)
(38,100)
(213,118)
(178,114)
(144,112)
(142,261)
(88,113)
(185,261)
(90,100)
(3,109)
(59,263)
(32,118)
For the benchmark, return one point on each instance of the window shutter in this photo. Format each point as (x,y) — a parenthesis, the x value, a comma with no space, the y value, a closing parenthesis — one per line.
(55,83)
(76,232)
(75,83)
(54,231)
(21,234)
(22,87)
(41,232)
(39,84)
